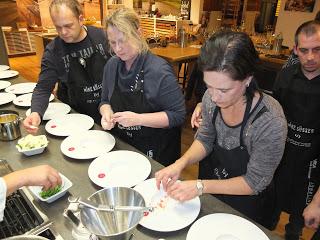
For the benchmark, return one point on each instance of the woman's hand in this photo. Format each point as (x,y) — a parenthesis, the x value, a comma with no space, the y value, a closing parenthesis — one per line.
(183,191)
(107,121)
(127,119)
(169,175)
(196,117)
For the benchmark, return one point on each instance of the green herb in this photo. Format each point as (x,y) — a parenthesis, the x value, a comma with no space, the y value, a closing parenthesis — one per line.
(50,192)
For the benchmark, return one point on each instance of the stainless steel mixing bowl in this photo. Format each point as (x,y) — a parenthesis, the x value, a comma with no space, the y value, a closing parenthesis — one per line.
(117,225)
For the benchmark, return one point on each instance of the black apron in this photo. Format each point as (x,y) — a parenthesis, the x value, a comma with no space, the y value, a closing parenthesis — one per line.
(224,164)
(161,144)
(297,177)
(82,90)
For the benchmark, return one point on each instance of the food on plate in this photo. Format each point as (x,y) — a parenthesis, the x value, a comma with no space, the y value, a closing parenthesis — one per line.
(32,142)
(50,192)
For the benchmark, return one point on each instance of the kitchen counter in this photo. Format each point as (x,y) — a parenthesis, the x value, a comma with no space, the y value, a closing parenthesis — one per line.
(76,171)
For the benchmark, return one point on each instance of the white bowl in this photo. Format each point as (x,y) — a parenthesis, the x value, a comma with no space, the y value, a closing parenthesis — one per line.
(33,151)
(29,138)
(66,184)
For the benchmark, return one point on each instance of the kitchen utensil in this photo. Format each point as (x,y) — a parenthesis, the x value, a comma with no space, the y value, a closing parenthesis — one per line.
(87,144)
(119,168)
(226,227)
(114,225)
(69,124)
(9,125)
(169,214)
(108,208)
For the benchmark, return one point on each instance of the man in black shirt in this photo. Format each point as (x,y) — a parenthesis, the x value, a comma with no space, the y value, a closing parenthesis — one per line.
(297,88)
(75,60)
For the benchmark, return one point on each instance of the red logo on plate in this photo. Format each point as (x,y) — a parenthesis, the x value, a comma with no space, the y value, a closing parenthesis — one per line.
(53,126)
(145,214)
(71,149)
(101,175)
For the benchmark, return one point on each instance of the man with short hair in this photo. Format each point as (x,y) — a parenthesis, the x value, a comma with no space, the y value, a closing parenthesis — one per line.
(297,88)
(75,60)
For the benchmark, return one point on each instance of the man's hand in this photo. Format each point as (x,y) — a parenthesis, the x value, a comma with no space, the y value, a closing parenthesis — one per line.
(43,175)
(32,122)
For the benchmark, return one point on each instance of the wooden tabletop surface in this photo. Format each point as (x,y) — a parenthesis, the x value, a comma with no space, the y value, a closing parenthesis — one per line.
(175,54)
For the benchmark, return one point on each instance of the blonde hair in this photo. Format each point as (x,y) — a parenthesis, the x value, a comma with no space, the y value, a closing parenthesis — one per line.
(127,21)
(73,5)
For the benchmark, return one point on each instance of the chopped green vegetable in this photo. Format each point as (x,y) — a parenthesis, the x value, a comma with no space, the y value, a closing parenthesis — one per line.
(50,192)
(31,142)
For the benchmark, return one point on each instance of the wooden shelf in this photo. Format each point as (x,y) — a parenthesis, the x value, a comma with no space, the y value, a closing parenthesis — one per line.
(161,27)
(18,42)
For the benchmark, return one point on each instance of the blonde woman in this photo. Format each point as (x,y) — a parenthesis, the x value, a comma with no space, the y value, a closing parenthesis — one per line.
(142,102)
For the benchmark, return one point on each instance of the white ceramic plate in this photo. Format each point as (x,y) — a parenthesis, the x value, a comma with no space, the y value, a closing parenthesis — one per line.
(6,97)
(87,144)
(119,169)
(225,226)
(54,110)
(69,124)
(169,214)
(21,88)
(66,184)
(4,84)
(8,74)
(25,100)
(4,67)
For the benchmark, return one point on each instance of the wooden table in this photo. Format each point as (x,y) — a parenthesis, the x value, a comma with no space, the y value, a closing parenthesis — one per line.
(175,54)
